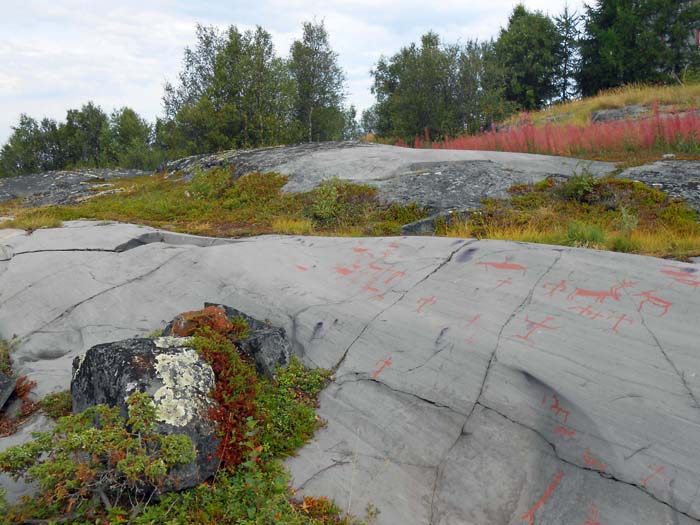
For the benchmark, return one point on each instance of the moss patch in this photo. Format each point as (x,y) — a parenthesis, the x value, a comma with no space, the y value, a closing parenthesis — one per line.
(609,214)
(215,204)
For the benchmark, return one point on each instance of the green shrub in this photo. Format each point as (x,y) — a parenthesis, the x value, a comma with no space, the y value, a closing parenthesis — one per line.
(96,460)
(210,185)
(585,235)
(57,405)
(326,206)
(6,348)
(578,188)
(624,245)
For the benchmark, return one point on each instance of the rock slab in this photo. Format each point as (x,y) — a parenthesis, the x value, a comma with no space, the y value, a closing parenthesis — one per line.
(482,382)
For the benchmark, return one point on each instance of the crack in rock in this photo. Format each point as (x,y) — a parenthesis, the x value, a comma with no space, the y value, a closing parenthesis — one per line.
(602,474)
(524,304)
(681,376)
(360,377)
(400,298)
(71,308)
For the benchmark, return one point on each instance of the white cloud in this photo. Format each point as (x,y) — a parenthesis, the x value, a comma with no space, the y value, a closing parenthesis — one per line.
(59,56)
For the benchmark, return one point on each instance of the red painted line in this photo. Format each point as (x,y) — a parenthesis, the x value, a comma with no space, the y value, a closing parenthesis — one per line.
(302,268)
(567,433)
(530,514)
(343,270)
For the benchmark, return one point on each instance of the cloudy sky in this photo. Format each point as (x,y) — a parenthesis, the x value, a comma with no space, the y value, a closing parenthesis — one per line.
(57,55)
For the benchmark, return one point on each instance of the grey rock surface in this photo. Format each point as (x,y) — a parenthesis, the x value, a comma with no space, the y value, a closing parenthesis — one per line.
(679,178)
(173,375)
(62,187)
(624,113)
(475,382)
(436,179)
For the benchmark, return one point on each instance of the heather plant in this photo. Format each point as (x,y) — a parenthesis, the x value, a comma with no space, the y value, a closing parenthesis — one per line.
(96,461)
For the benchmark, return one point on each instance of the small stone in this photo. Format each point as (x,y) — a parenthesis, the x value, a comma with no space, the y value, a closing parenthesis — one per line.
(668,156)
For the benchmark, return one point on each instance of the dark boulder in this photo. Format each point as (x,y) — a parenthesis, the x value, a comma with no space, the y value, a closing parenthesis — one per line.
(7,387)
(173,374)
(267,345)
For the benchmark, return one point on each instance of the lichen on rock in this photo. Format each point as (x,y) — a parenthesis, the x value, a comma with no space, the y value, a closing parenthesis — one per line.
(186,382)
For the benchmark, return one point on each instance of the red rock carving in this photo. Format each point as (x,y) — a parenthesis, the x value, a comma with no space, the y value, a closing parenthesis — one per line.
(618,320)
(566,432)
(505,265)
(557,408)
(504,282)
(653,300)
(382,364)
(593,516)
(590,461)
(529,516)
(474,319)
(533,326)
(678,275)
(555,287)
(600,296)
(342,270)
(660,471)
(587,311)
(394,275)
(424,302)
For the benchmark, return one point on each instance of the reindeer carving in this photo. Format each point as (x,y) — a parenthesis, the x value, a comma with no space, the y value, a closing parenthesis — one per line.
(600,296)
(505,265)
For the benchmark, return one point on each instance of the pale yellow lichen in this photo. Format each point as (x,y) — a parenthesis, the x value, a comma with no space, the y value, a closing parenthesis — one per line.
(187,380)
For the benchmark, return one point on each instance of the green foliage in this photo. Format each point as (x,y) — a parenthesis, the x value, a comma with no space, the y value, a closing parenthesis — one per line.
(288,407)
(643,41)
(87,138)
(96,459)
(579,188)
(433,89)
(606,213)
(57,405)
(585,235)
(209,185)
(6,348)
(319,81)
(326,206)
(215,203)
(529,51)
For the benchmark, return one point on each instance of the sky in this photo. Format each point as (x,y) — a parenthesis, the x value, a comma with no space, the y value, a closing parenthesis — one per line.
(56,55)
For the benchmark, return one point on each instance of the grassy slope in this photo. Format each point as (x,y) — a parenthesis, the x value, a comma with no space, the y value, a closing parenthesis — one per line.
(579,112)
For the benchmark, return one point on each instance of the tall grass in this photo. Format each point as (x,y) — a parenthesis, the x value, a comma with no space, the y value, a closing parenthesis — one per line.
(677,133)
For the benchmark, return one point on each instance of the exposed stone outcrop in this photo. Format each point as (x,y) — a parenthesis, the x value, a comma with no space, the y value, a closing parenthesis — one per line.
(679,178)
(53,188)
(483,382)
(173,374)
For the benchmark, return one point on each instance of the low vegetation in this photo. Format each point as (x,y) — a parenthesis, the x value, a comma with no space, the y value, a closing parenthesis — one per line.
(626,141)
(98,468)
(213,203)
(608,214)
(679,97)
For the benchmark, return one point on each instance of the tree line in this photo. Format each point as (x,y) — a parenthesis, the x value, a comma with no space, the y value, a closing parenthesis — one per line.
(235,91)
(433,89)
